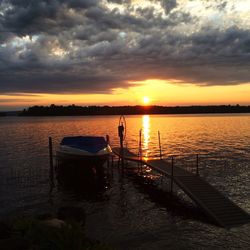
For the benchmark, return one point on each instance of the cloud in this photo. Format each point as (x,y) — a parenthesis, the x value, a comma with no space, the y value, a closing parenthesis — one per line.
(95,46)
(168,5)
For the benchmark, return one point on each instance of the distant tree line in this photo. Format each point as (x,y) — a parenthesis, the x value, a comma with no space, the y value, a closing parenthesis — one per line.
(73,110)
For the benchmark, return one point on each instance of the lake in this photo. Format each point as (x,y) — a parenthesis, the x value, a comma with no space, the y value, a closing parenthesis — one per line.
(129,211)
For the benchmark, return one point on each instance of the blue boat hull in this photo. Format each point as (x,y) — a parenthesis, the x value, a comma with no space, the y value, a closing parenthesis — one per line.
(85,150)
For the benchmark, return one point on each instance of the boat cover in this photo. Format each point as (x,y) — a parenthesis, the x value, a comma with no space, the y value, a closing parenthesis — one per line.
(92,144)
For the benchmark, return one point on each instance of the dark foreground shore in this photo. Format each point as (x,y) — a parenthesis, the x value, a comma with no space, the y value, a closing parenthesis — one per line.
(65,230)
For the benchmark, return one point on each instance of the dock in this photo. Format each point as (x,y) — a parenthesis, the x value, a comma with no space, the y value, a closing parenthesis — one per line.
(213,203)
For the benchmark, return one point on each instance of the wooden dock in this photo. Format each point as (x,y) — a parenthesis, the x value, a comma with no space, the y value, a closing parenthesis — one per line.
(222,210)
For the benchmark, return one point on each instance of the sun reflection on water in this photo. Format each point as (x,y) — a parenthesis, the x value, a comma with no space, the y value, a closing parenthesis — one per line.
(146,135)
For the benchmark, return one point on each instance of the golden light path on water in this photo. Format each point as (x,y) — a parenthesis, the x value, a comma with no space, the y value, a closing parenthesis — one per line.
(146,135)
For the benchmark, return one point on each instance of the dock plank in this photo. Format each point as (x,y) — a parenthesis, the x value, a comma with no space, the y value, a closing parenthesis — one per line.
(212,202)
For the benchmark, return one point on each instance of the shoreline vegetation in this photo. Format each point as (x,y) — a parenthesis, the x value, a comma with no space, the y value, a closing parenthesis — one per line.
(74,110)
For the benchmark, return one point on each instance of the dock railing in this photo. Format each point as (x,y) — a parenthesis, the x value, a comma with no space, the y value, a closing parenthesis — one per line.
(189,162)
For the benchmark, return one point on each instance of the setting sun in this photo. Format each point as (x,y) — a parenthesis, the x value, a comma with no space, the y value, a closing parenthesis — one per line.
(146,100)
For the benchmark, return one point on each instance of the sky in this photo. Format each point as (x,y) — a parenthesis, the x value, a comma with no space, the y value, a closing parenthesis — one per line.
(124,52)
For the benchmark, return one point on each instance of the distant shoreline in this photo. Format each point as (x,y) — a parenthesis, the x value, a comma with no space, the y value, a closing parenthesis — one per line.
(73,110)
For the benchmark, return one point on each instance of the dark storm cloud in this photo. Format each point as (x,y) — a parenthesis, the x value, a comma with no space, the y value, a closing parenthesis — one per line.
(6,100)
(32,16)
(168,5)
(120,1)
(85,46)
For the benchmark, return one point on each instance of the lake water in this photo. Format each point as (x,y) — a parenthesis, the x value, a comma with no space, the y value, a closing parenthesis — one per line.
(131,212)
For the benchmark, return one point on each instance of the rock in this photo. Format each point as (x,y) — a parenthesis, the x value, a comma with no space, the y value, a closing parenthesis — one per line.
(44,216)
(14,244)
(54,222)
(5,230)
(76,214)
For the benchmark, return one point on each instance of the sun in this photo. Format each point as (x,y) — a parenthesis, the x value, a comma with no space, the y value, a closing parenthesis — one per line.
(146,100)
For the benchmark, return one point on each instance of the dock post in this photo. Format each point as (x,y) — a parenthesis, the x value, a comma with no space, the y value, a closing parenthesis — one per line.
(121,136)
(51,172)
(118,162)
(112,161)
(108,160)
(172,174)
(140,151)
(197,165)
(159,141)
(122,159)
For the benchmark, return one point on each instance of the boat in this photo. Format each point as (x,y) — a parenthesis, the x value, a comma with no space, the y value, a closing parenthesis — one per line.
(92,151)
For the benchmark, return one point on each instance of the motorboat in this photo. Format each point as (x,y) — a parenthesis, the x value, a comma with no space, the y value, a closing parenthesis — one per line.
(90,150)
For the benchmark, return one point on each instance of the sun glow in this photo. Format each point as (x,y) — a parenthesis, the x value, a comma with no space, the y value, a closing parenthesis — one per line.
(146,100)
(161,93)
